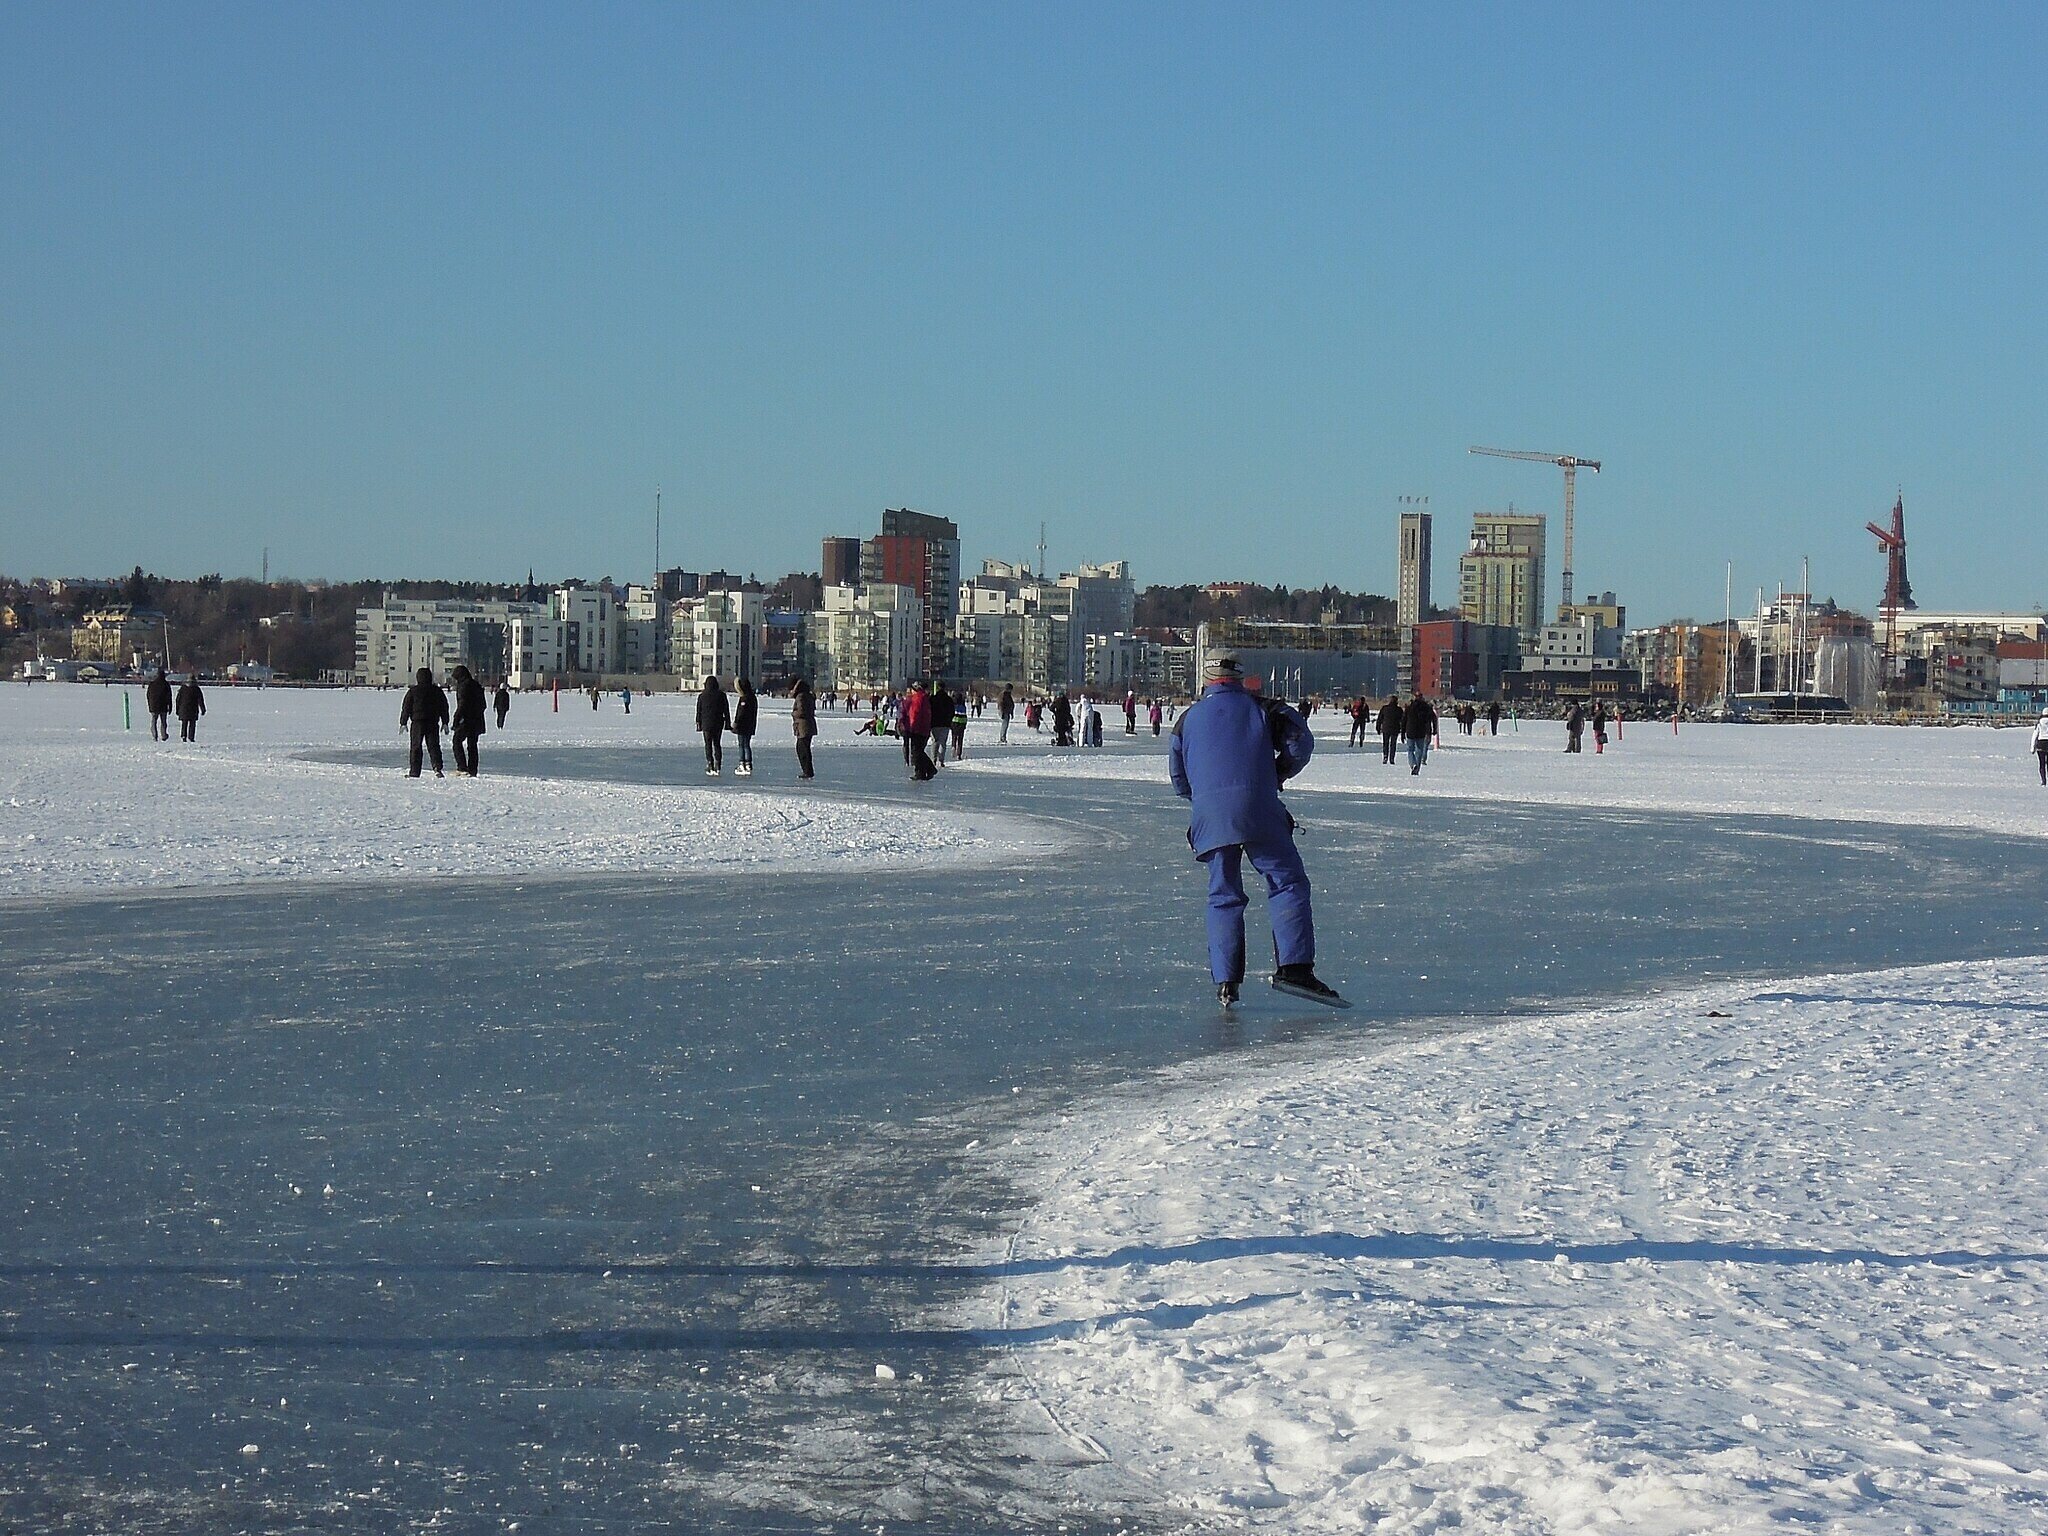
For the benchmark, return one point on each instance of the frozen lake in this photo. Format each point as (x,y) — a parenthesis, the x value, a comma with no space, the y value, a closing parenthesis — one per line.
(594,1202)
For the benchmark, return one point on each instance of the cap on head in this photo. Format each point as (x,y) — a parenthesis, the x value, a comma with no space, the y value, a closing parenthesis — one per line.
(1223,664)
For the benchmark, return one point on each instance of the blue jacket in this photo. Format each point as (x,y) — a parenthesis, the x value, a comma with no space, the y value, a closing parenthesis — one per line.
(1231,752)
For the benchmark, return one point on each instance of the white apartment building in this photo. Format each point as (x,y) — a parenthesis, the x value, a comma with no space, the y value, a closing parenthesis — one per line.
(646,643)
(866,639)
(394,641)
(1116,664)
(590,629)
(721,634)
(1579,644)
(536,652)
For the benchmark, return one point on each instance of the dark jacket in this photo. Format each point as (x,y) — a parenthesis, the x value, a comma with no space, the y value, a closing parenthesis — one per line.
(158,695)
(803,713)
(942,708)
(746,714)
(425,708)
(1419,723)
(469,707)
(191,702)
(1006,706)
(713,714)
(1231,751)
(1575,722)
(1389,720)
(1063,715)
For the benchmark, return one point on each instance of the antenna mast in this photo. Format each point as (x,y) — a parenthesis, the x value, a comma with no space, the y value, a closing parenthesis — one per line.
(1041,551)
(657,543)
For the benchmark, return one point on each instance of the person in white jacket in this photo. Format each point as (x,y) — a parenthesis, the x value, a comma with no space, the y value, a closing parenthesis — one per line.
(2041,745)
(1088,712)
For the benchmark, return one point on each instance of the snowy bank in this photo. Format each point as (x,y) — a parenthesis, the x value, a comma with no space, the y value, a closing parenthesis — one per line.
(88,806)
(1722,1261)
(1976,778)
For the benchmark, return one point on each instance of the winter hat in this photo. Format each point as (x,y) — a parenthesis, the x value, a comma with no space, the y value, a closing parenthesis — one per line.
(1223,664)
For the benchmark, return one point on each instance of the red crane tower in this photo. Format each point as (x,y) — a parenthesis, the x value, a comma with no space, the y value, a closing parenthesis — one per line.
(1898,591)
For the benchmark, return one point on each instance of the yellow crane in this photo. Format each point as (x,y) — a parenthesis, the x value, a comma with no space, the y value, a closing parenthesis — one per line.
(1571,464)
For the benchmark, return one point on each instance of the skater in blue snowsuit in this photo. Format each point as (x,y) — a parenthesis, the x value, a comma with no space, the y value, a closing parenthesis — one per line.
(1231,751)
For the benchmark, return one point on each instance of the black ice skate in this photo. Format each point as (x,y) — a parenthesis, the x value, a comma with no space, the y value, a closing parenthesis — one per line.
(1301,981)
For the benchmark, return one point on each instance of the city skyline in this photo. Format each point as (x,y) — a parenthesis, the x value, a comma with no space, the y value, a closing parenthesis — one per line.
(451,294)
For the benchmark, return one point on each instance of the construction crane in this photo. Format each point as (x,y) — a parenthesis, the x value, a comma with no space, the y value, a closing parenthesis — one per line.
(1571,465)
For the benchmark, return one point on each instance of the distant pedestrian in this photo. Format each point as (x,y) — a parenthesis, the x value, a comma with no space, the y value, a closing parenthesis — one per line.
(424,712)
(1493,718)
(803,720)
(1575,730)
(1361,717)
(959,726)
(1390,723)
(713,716)
(626,698)
(191,705)
(1089,716)
(502,702)
(2041,744)
(1599,727)
(466,720)
(1155,714)
(157,699)
(1130,714)
(746,716)
(1006,706)
(1229,756)
(942,721)
(1418,724)
(593,696)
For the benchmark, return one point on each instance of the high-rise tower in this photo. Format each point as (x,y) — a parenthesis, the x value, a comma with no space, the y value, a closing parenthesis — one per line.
(1412,598)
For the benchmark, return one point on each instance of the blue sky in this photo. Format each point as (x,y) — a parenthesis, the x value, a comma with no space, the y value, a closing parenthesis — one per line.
(449,290)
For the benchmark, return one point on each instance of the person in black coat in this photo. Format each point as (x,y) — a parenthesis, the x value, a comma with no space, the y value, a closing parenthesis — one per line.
(191,705)
(467,724)
(157,699)
(803,719)
(1062,721)
(746,715)
(1418,723)
(713,716)
(942,720)
(1493,718)
(1575,730)
(424,712)
(502,702)
(1389,724)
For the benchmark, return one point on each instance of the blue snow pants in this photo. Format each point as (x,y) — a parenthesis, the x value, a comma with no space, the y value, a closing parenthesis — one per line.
(1287,905)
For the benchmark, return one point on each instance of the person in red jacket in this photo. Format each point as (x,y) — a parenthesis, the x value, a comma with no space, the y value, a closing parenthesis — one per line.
(914,724)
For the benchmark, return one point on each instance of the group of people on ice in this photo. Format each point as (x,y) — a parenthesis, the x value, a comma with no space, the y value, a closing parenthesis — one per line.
(189,702)
(427,708)
(741,714)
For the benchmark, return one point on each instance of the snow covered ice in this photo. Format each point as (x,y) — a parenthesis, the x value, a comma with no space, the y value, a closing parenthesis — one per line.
(577,1146)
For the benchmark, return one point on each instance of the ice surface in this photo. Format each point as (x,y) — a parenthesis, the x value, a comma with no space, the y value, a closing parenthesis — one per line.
(87,806)
(1734,1259)
(592,1200)
(1974,777)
